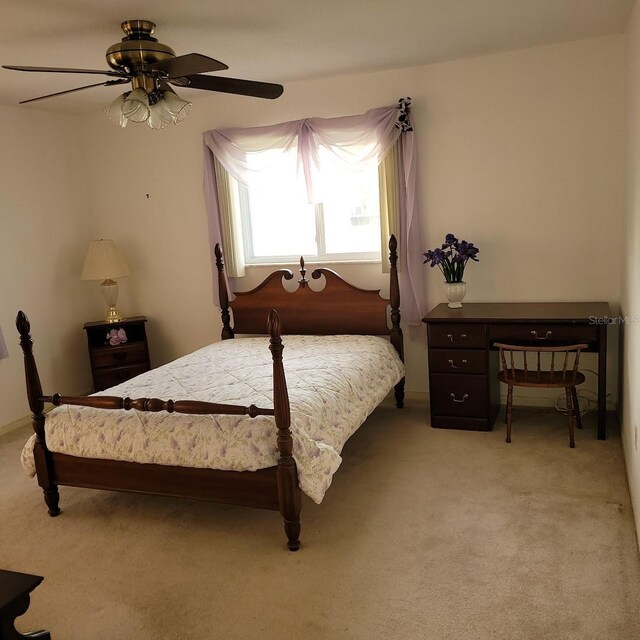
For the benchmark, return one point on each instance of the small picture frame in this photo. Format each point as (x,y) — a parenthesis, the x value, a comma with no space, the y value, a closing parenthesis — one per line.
(116,336)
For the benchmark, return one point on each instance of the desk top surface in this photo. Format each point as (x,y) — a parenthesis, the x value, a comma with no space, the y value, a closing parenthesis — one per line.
(502,312)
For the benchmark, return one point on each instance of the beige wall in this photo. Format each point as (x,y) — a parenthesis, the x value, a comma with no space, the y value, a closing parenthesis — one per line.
(45,225)
(521,153)
(630,295)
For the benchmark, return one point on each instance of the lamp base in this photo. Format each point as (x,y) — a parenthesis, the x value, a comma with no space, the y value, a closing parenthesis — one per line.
(109,290)
(113,315)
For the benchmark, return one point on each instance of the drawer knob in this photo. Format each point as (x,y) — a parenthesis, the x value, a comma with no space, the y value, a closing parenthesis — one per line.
(119,356)
(546,336)
(453,397)
(462,337)
(462,365)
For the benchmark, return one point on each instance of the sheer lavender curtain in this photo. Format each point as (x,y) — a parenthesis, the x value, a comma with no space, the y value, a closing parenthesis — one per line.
(3,347)
(347,141)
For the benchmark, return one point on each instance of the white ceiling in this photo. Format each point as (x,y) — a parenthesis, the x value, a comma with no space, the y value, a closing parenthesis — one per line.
(281,40)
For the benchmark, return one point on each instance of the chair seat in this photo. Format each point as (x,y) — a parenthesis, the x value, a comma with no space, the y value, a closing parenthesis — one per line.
(557,379)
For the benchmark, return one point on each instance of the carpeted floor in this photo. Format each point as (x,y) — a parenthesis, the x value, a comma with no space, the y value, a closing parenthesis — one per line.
(425,534)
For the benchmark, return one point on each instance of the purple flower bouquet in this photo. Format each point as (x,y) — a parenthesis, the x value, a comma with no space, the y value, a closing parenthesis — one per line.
(452,257)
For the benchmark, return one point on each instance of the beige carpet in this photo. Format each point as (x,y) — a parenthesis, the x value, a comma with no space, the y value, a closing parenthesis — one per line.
(425,534)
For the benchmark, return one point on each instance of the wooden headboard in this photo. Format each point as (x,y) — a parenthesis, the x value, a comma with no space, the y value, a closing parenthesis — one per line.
(339,308)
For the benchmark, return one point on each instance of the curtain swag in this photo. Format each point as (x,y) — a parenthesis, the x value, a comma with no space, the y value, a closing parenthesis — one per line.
(383,135)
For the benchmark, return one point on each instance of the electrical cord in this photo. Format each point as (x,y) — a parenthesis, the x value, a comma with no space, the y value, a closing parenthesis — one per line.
(587,399)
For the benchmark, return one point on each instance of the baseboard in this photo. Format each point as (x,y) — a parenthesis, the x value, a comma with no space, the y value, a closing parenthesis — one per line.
(16,424)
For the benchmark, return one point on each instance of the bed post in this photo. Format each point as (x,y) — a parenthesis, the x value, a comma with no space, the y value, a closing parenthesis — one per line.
(288,489)
(396,331)
(223,295)
(41,455)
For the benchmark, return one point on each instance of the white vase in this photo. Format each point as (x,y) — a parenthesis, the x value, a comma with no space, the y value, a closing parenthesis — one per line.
(455,294)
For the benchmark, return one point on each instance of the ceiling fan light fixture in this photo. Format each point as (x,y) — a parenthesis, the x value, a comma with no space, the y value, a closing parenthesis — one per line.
(159,110)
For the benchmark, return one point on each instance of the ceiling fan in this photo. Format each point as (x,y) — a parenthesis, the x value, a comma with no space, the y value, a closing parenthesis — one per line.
(152,67)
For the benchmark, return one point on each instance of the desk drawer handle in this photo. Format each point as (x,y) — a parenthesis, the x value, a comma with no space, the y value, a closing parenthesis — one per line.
(537,337)
(463,363)
(462,337)
(453,397)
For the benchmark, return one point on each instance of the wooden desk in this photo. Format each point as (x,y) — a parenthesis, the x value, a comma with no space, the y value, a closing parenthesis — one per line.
(463,366)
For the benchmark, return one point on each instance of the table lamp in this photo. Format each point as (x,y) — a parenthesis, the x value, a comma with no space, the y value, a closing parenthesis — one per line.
(104,262)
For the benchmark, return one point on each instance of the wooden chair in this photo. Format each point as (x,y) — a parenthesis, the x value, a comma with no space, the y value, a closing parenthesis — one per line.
(567,378)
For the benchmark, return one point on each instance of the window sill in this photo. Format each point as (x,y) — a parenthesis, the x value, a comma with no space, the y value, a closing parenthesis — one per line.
(309,263)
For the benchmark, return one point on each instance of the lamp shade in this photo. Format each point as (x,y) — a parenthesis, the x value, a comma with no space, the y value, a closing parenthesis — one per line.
(104,262)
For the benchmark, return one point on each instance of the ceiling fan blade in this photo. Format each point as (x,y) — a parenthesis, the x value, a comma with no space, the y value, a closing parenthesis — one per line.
(63,70)
(87,86)
(188,64)
(235,85)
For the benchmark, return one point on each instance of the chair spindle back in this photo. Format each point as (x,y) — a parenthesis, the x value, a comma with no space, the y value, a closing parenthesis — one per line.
(509,368)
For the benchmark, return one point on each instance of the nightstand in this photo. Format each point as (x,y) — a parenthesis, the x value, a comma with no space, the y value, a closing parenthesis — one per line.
(118,351)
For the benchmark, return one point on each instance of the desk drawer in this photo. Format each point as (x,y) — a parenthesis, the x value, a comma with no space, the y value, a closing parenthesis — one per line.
(457,361)
(463,336)
(458,395)
(541,334)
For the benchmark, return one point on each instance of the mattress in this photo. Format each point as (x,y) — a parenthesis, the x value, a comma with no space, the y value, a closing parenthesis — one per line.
(334,383)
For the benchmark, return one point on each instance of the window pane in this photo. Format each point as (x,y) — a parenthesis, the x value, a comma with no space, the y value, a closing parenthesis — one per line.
(282,223)
(352,212)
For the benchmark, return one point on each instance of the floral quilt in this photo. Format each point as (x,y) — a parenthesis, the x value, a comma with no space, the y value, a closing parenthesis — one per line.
(334,383)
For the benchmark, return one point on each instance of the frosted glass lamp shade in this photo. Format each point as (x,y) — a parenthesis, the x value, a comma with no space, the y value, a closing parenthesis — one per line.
(104,262)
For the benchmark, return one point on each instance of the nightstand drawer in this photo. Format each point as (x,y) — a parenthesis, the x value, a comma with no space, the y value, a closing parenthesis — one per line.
(122,355)
(457,395)
(105,378)
(457,361)
(463,336)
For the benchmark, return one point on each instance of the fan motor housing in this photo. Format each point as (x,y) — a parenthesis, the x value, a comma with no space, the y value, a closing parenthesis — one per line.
(138,48)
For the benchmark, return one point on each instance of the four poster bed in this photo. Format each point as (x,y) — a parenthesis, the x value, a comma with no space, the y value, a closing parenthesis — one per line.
(328,326)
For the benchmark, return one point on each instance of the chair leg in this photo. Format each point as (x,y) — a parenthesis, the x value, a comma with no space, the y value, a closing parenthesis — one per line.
(576,407)
(572,443)
(509,411)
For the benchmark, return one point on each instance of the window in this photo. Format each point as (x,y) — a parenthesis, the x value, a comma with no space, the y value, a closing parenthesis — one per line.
(359,174)
(279,224)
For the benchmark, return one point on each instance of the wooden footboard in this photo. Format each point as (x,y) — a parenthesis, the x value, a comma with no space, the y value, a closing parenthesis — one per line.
(273,488)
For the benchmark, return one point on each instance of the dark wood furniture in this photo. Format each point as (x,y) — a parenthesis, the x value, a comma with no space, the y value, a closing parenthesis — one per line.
(111,365)
(14,601)
(534,375)
(339,308)
(464,362)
